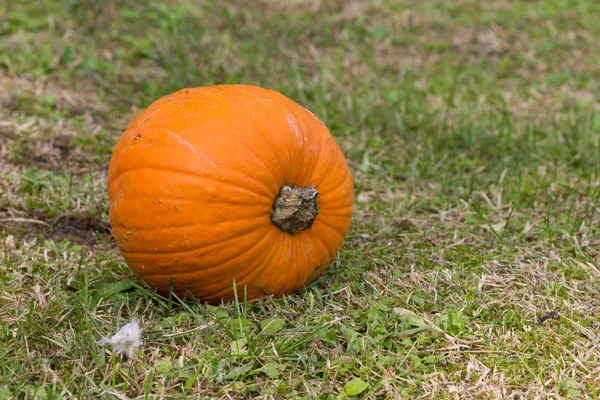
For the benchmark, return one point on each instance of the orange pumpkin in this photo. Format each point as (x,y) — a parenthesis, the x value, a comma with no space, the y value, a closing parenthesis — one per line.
(226,183)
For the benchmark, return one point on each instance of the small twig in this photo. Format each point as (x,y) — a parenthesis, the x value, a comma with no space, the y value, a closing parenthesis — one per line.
(198,328)
(25,220)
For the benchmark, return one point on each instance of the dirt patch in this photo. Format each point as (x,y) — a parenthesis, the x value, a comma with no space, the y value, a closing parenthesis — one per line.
(7,129)
(49,127)
(80,228)
(55,146)
(38,95)
(50,154)
(282,5)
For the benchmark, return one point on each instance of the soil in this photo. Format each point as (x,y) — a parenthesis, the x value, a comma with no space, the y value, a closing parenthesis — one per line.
(82,229)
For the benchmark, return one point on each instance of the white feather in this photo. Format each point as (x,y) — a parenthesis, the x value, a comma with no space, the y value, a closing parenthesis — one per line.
(126,340)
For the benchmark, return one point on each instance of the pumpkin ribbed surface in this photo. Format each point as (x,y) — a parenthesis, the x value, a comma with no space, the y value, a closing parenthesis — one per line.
(192,186)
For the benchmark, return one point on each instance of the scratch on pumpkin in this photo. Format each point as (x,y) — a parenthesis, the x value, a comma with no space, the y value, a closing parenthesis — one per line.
(189,146)
(293,126)
(148,116)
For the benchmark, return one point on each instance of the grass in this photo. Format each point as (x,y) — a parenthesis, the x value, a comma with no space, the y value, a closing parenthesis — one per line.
(471,268)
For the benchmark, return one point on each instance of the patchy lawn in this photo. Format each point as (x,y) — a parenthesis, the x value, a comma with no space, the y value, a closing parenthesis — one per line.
(471,270)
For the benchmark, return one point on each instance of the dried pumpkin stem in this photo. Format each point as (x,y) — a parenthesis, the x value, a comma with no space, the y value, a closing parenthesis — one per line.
(295,209)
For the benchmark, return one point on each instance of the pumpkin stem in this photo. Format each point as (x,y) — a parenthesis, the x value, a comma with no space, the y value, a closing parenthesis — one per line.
(295,209)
